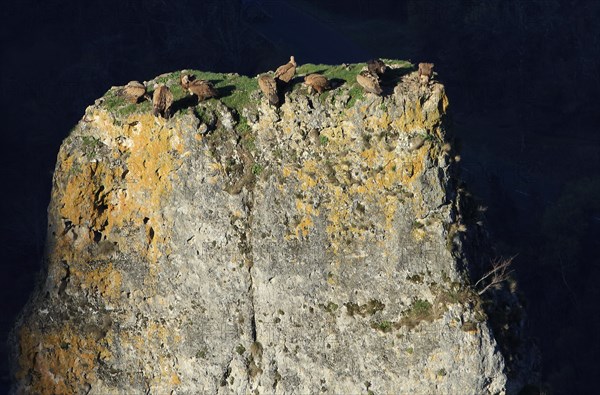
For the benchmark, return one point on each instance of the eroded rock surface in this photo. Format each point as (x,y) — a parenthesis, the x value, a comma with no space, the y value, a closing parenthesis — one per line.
(243,248)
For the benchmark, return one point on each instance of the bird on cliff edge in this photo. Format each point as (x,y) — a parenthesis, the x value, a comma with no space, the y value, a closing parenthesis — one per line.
(316,82)
(268,86)
(162,99)
(425,72)
(369,82)
(287,71)
(201,88)
(133,91)
(376,67)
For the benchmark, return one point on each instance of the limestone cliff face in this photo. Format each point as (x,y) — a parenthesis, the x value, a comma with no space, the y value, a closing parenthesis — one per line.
(241,248)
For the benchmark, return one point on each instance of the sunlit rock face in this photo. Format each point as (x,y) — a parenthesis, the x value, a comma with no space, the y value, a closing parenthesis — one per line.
(242,248)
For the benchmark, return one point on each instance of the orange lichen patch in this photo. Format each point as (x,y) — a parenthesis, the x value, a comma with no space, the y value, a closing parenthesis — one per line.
(411,119)
(339,201)
(413,164)
(287,171)
(381,122)
(369,156)
(416,118)
(351,176)
(166,373)
(389,205)
(105,281)
(419,234)
(175,380)
(109,193)
(306,175)
(61,361)
(85,194)
(339,220)
(150,161)
(303,227)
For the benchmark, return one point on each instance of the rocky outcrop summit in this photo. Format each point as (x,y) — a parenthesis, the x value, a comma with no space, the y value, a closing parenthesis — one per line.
(241,248)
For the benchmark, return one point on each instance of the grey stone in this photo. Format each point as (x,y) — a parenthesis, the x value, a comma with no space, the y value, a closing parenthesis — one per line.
(318,259)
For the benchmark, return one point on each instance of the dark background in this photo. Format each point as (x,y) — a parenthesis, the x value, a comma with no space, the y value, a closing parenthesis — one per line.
(523,79)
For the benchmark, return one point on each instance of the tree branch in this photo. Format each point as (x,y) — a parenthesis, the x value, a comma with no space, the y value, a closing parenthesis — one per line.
(496,275)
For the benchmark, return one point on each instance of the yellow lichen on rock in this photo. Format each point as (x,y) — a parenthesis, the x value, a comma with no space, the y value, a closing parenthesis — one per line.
(63,359)
(113,177)
(348,174)
(104,194)
(307,175)
(104,280)
(378,122)
(306,222)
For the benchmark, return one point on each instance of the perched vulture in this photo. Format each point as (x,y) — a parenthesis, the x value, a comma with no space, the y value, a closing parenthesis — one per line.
(201,88)
(369,82)
(268,86)
(376,66)
(162,101)
(316,82)
(425,72)
(286,72)
(133,91)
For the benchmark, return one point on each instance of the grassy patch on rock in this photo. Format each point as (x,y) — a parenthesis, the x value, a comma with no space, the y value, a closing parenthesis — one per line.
(235,91)
(121,108)
(369,308)
(345,75)
(420,310)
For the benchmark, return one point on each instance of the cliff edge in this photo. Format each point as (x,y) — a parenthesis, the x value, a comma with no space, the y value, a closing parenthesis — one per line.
(242,248)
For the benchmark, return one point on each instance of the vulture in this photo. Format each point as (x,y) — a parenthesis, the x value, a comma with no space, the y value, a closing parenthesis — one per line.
(425,72)
(162,99)
(369,82)
(316,82)
(268,86)
(133,91)
(286,72)
(201,88)
(376,66)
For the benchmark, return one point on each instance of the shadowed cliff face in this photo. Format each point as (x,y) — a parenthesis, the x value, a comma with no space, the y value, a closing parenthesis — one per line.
(240,247)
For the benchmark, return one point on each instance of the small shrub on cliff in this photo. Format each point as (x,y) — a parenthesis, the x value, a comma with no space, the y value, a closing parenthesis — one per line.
(420,310)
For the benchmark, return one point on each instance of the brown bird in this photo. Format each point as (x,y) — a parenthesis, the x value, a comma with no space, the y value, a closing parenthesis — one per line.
(201,88)
(162,99)
(268,86)
(369,82)
(425,72)
(286,72)
(376,66)
(133,91)
(317,82)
